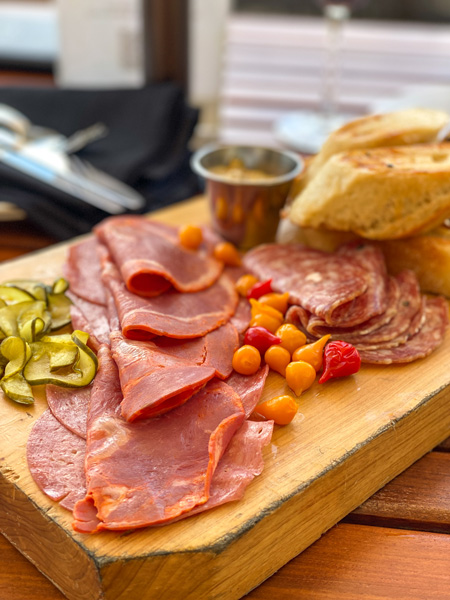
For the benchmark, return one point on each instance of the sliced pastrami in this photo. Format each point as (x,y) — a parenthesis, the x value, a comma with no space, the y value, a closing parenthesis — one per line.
(55,458)
(151,259)
(152,471)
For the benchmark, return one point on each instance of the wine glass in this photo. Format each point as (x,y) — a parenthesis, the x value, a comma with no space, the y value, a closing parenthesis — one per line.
(307,130)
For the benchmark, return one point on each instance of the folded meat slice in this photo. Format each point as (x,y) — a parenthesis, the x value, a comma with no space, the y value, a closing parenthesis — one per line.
(151,471)
(151,258)
(154,382)
(171,314)
(92,318)
(55,458)
(215,349)
(427,339)
(241,463)
(323,284)
(249,387)
(83,271)
(69,406)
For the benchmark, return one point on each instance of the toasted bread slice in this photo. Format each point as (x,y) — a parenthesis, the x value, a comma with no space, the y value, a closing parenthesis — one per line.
(385,193)
(400,128)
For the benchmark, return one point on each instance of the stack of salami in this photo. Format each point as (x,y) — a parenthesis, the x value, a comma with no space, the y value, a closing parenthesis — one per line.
(163,432)
(349,295)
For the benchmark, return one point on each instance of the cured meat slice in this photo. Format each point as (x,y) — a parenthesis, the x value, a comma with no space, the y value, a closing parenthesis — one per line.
(181,449)
(70,406)
(241,463)
(215,349)
(317,327)
(427,339)
(249,387)
(55,458)
(83,272)
(374,300)
(154,382)
(92,318)
(392,327)
(151,259)
(319,282)
(171,314)
(241,318)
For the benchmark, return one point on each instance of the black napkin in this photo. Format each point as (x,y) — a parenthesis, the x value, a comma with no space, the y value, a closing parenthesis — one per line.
(146,147)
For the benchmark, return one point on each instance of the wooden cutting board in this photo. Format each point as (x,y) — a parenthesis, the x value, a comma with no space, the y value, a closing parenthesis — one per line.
(350,437)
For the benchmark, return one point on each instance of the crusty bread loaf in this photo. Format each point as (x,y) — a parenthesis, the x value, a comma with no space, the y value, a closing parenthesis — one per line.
(385,193)
(428,255)
(404,127)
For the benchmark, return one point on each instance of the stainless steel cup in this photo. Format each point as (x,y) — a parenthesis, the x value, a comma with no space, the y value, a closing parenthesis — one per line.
(247,212)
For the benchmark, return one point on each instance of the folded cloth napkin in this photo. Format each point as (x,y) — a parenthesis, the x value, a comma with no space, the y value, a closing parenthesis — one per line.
(146,147)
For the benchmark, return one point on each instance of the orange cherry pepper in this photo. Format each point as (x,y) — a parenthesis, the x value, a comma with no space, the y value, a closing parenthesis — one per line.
(281,409)
(312,353)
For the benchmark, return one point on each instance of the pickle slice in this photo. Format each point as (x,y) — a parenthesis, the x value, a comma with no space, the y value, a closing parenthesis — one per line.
(60,286)
(31,329)
(17,389)
(37,289)
(38,369)
(11,294)
(59,307)
(14,316)
(62,353)
(17,352)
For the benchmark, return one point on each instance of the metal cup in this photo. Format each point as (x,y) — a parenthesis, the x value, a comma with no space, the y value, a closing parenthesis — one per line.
(247,212)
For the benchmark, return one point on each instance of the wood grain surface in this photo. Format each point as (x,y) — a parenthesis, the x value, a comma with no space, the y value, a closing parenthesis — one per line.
(345,444)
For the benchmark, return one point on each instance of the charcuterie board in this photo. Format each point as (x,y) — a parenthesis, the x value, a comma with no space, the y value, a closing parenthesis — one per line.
(350,437)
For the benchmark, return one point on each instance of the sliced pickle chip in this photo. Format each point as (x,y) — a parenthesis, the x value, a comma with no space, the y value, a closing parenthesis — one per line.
(17,389)
(3,363)
(60,286)
(14,316)
(17,352)
(37,289)
(11,294)
(38,369)
(59,307)
(61,353)
(31,329)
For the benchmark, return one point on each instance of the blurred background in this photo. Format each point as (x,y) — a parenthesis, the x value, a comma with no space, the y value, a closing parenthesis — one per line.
(236,71)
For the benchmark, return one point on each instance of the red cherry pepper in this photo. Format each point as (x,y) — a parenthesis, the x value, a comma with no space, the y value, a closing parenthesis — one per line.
(339,359)
(259,289)
(261,338)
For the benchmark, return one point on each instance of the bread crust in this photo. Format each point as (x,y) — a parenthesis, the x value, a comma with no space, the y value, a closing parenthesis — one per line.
(384,193)
(398,128)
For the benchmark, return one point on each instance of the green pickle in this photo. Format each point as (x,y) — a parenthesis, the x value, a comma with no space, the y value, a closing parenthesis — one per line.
(78,374)
(29,312)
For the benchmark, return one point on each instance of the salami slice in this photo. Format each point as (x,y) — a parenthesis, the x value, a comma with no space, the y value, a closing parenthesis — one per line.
(171,314)
(70,406)
(181,449)
(316,327)
(374,300)
(154,382)
(83,272)
(151,259)
(55,458)
(319,282)
(427,339)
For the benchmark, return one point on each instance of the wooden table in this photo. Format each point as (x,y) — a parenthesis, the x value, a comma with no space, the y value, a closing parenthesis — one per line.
(396,545)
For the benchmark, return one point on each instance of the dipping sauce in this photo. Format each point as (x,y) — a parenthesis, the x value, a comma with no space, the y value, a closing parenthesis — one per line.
(237,172)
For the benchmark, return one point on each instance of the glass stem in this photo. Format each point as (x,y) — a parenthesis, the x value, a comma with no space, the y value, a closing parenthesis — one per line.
(335,15)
